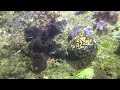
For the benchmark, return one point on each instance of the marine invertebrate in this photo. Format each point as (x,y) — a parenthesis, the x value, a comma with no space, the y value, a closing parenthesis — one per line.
(31,33)
(74,32)
(39,61)
(41,44)
(77,31)
(87,31)
(101,27)
(81,51)
(52,30)
(109,16)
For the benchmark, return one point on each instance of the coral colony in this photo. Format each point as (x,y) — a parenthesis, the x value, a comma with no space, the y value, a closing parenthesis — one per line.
(41,43)
(87,31)
(101,24)
(76,31)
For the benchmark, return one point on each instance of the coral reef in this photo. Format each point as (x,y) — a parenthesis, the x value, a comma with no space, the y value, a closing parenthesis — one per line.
(48,50)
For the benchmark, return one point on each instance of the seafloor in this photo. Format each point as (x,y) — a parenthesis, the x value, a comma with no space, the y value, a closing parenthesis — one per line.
(15,63)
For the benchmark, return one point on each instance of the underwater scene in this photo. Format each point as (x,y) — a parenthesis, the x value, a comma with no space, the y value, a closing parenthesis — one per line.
(59,44)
